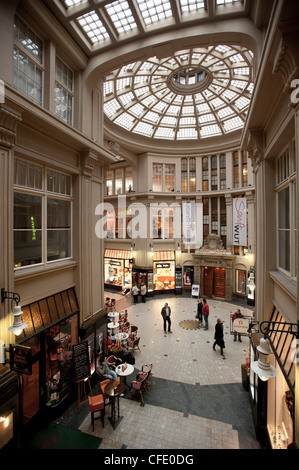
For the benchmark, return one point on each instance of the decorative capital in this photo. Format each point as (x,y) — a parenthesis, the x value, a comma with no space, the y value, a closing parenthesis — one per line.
(254,147)
(286,63)
(88,161)
(9,119)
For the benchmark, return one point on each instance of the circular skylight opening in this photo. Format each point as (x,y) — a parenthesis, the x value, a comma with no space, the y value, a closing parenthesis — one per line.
(189,80)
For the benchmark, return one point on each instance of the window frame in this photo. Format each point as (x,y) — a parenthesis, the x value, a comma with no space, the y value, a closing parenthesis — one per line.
(46,195)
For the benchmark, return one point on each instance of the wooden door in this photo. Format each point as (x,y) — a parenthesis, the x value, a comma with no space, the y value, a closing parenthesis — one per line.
(208,281)
(219,282)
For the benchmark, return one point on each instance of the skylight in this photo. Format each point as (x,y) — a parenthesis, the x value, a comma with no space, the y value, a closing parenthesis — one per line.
(173,106)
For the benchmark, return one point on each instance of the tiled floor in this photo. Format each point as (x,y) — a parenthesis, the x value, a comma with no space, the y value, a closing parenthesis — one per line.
(196,400)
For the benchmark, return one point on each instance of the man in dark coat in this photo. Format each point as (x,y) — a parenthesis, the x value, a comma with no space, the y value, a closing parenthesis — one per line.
(219,336)
(165,312)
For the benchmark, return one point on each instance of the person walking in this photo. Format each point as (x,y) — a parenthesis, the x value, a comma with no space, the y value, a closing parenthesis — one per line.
(218,336)
(237,314)
(143,292)
(135,293)
(199,310)
(205,312)
(166,312)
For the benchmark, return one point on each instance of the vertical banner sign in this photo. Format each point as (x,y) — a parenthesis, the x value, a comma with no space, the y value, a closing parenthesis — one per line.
(192,224)
(239,221)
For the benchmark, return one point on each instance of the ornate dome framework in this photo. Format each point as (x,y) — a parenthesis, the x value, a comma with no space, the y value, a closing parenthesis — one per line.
(153,99)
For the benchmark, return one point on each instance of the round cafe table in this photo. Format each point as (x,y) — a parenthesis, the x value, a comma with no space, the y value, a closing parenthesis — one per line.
(124,373)
(113,315)
(112,325)
(114,392)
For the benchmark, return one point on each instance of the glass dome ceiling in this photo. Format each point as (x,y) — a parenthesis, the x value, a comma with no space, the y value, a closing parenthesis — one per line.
(198,93)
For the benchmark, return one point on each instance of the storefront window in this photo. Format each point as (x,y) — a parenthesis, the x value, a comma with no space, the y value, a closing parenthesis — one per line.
(241,281)
(118,175)
(129,179)
(108,182)
(205,174)
(59,364)
(118,272)
(164,275)
(188,276)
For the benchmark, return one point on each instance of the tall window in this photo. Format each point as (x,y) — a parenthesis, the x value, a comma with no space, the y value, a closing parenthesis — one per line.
(286,212)
(188,175)
(108,178)
(27,62)
(223,220)
(184,175)
(64,92)
(206,218)
(42,214)
(244,169)
(214,210)
(162,222)
(236,169)
(118,180)
(163,177)
(214,174)
(128,179)
(169,177)
(223,171)
(205,174)
(157,177)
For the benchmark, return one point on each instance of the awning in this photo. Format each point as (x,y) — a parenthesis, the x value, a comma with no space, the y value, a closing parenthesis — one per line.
(281,344)
(163,255)
(117,254)
(48,311)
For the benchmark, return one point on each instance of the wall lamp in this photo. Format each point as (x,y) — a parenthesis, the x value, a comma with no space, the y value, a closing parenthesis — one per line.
(262,366)
(18,324)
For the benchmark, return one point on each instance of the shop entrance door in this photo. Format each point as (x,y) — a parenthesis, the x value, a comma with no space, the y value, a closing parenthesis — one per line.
(214,282)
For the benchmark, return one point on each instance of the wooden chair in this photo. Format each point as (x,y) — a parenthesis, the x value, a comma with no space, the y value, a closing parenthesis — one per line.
(133,330)
(96,404)
(113,361)
(148,368)
(139,386)
(133,343)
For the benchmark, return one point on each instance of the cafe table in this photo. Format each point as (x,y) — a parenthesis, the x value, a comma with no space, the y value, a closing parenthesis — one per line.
(113,325)
(128,370)
(114,391)
(113,315)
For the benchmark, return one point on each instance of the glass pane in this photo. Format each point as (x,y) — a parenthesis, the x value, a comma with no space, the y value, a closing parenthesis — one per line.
(284,209)
(58,214)
(58,244)
(284,250)
(27,211)
(27,247)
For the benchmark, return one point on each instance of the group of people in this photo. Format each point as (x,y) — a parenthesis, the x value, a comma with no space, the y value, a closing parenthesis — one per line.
(135,292)
(203,314)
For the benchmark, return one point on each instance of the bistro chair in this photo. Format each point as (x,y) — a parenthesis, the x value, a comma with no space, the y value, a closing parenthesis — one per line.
(133,343)
(138,386)
(147,368)
(96,404)
(113,361)
(102,387)
(133,330)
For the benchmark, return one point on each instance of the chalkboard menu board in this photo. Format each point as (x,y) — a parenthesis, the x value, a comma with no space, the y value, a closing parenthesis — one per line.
(81,361)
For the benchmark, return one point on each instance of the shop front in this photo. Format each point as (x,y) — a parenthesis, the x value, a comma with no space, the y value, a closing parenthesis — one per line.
(164,271)
(118,269)
(51,332)
(273,401)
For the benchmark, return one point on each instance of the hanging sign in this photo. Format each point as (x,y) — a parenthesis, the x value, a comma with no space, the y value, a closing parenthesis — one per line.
(240,221)
(192,223)
(20,358)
